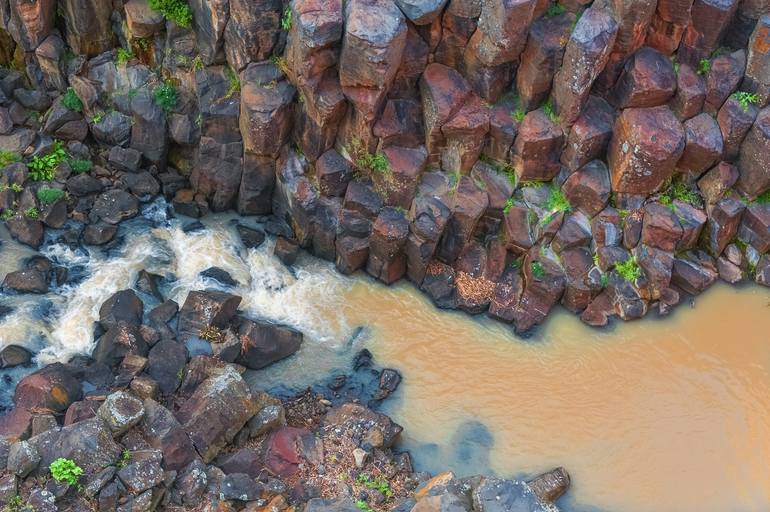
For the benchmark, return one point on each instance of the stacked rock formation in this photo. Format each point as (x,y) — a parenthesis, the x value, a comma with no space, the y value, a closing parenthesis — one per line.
(505,155)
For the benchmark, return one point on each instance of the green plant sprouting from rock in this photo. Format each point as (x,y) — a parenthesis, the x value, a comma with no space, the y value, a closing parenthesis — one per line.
(47,195)
(679,191)
(177,11)
(704,66)
(8,157)
(32,213)
(80,165)
(43,168)
(166,96)
(122,56)
(367,162)
(555,10)
(538,272)
(629,270)
(71,100)
(378,484)
(746,99)
(233,82)
(286,19)
(66,470)
(550,112)
(557,202)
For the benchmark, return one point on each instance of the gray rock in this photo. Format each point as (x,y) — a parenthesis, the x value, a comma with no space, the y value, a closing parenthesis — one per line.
(121,411)
(23,458)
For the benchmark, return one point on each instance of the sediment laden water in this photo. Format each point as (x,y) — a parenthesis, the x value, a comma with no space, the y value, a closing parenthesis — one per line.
(670,415)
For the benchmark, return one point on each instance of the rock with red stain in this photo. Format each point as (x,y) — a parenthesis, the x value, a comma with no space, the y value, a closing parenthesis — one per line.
(429,216)
(470,204)
(757,77)
(755,227)
(502,30)
(717,181)
(458,24)
(660,227)
(754,157)
(413,63)
(465,135)
(252,31)
(690,93)
(541,58)
(537,147)
(444,92)
(723,79)
(692,220)
(588,188)
(694,272)
(646,145)
(31,22)
(585,56)
(352,253)
(318,116)
(266,109)
(220,406)
(333,173)
(372,44)
(723,223)
(648,80)
(51,389)
(656,264)
(544,284)
(387,261)
(406,165)
(285,450)
(517,219)
(503,129)
(668,25)
(400,124)
(599,311)
(590,135)
(703,145)
(735,121)
(709,20)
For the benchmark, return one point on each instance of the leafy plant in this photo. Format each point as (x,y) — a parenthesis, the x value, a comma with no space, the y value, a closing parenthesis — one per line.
(555,10)
(166,96)
(508,205)
(47,195)
(745,99)
(532,184)
(764,198)
(15,187)
(177,11)
(125,458)
(377,484)
(629,270)
(122,56)
(604,280)
(550,112)
(675,63)
(197,63)
(65,470)
(365,161)
(15,504)
(538,272)
(233,81)
(98,117)
(43,168)
(8,157)
(71,100)
(80,166)
(557,201)
(679,191)
(286,18)
(704,66)
(32,213)
(363,506)
(8,214)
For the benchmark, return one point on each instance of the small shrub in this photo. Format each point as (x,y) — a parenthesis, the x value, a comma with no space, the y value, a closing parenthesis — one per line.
(166,96)
(8,157)
(233,81)
(286,18)
(508,205)
(32,213)
(629,270)
(48,195)
(555,10)
(15,187)
(363,506)
(43,168)
(125,458)
(122,56)
(704,66)
(71,100)
(557,201)
(197,63)
(212,334)
(550,112)
(177,11)
(538,272)
(365,161)
(8,214)
(65,470)
(80,166)
(745,99)
(143,43)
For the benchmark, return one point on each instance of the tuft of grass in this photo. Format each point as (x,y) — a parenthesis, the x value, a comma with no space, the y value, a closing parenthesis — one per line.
(43,168)
(233,81)
(363,506)
(71,100)
(286,19)
(508,205)
(704,66)
(557,201)
(8,157)
(555,10)
(166,96)
(679,191)
(532,184)
(177,11)
(197,63)
(746,99)
(365,161)
(550,112)
(122,56)
(47,195)
(538,272)
(629,270)
(675,63)
(65,470)
(32,213)
(80,166)
(125,459)
(377,484)
(279,62)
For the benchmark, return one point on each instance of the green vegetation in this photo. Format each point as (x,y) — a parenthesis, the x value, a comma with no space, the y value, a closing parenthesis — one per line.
(745,99)
(506,170)
(65,470)
(679,191)
(286,18)
(32,213)
(177,11)
(71,100)
(166,96)
(8,157)
(764,198)
(365,161)
(15,504)
(43,168)
(629,270)
(557,201)
(80,166)
(704,66)
(363,506)
(578,15)
(122,56)
(531,184)
(197,63)
(15,187)
(97,117)
(124,460)
(212,334)
(279,62)
(604,280)
(550,112)
(233,81)
(555,10)
(8,214)
(538,272)
(519,113)
(377,484)
(47,195)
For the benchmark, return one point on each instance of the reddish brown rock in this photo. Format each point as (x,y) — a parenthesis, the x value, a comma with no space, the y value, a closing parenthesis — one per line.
(722,226)
(457,26)
(333,173)
(690,93)
(692,220)
(252,30)
(465,136)
(399,185)
(257,185)
(647,80)
(352,253)
(709,19)
(502,30)
(89,30)
(31,22)
(599,311)
(470,204)
(754,157)
(588,188)
(537,147)
(606,228)
(429,217)
(50,389)
(668,25)
(694,272)
(575,231)
(755,227)
(590,135)
(542,290)
(717,181)
(400,124)
(387,261)
(703,145)
(517,228)
(266,110)
(657,265)
(413,63)
(735,121)
(660,227)
(502,131)
(506,295)
(318,116)
(723,79)
(585,56)
(757,77)
(499,187)
(283,451)
(444,92)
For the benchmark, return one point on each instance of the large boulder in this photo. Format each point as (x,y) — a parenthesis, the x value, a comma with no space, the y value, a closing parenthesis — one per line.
(588,188)
(754,158)
(89,443)
(89,27)
(115,206)
(204,309)
(50,389)
(125,306)
(163,432)
(264,343)
(703,145)
(648,80)
(252,31)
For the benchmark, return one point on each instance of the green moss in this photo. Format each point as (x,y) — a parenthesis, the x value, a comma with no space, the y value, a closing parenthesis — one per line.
(704,66)
(286,19)
(538,272)
(71,100)
(550,112)
(197,63)
(532,184)
(746,99)
(679,191)
(629,270)
(80,166)
(761,199)
(47,195)
(557,201)
(177,11)
(166,96)
(363,506)
(555,10)
(8,157)
(122,56)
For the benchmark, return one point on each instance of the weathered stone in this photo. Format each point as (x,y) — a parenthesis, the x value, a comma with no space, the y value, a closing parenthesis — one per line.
(88,443)
(502,31)
(537,147)
(26,281)
(496,495)
(142,473)
(690,93)
(755,227)
(25,230)
(708,21)
(89,29)
(121,411)
(31,22)
(717,181)
(210,22)
(588,188)
(124,306)
(142,20)
(23,458)
(754,157)
(646,145)
(590,135)
(724,220)
(376,428)
(203,309)
(648,80)
(387,260)
(120,339)
(163,432)
(703,145)
(693,273)
(421,12)
(724,77)
(757,77)
(252,31)
(735,121)
(264,343)
(443,92)
(465,136)
(148,131)
(50,389)
(692,221)
(115,206)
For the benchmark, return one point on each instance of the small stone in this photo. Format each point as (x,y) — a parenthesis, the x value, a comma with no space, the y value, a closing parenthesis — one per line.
(360,455)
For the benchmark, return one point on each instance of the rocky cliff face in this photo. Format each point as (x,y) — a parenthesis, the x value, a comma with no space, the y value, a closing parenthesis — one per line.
(504,155)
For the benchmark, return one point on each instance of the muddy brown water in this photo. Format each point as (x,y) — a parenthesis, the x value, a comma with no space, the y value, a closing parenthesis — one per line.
(654,415)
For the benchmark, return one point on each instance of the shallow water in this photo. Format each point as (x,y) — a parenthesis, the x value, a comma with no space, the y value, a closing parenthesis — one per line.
(647,416)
